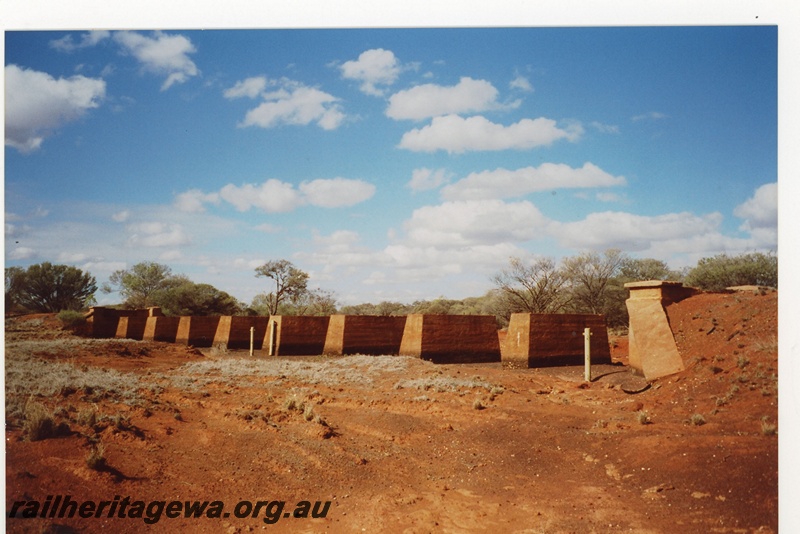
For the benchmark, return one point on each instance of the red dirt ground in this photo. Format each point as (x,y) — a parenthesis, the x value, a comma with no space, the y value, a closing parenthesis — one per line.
(548,453)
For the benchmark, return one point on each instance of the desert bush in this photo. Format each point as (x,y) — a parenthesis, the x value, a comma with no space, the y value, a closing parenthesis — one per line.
(721,271)
(95,459)
(697,419)
(478,404)
(39,423)
(767,428)
(71,318)
(643,417)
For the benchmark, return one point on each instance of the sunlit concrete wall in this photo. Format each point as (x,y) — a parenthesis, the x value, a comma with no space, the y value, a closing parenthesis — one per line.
(652,350)
(541,340)
(364,334)
(451,338)
(296,335)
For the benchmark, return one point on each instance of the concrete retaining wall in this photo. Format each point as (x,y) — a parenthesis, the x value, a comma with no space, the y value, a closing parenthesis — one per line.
(542,340)
(451,338)
(364,334)
(161,329)
(197,331)
(295,335)
(234,332)
(131,327)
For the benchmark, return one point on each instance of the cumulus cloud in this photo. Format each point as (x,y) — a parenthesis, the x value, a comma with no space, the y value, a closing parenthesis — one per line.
(455,134)
(157,234)
(276,196)
(760,210)
(161,54)
(431,100)
(503,183)
(372,68)
(194,200)
(474,222)
(88,39)
(631,232)
(760,214)
(37,104)
(293,104)
(424,179)
(249,87)
(336,192)
(272,196)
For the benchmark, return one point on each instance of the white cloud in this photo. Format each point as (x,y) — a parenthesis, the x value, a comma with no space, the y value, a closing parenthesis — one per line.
(162,54)
(194,200)
(425,179)
(631,232)
(91,38)
(272,196)
(372,68)
(336,192)
(276,196)
(760,210)
(157,234)
(456,134)
(36,104)
(296,105)
(760,214)
(503,183)
(21,253)
(430,100)
(474,222)
(249,87)
(521,83)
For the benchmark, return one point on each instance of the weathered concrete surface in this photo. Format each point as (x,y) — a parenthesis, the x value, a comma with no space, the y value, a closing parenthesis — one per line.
(161,328)
(234,332)
(451,338)
(197,331)
(296,335)
(540,340)
(131,327)
(652,350)
(364,334)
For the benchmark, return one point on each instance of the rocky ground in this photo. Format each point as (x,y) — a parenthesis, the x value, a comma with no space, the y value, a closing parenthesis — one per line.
(397,444)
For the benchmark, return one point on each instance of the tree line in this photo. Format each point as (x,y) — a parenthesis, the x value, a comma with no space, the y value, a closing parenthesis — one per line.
(590,282)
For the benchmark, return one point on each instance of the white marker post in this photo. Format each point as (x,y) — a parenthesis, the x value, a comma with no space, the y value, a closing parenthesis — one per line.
(587,358)
(252,330)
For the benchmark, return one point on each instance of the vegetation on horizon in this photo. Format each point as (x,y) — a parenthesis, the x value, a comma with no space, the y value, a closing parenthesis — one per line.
(590,282)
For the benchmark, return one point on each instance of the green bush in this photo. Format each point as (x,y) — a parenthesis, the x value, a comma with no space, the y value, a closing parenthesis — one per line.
(721,271)
(71,318)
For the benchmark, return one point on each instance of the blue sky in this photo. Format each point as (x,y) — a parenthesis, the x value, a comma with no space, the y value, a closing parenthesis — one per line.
(390,164)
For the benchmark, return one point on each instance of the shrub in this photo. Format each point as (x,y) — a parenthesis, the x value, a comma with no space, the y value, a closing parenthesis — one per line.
(697,419)
(721,271)
(95,459)
(71,318)
(643,417)
(39,423)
